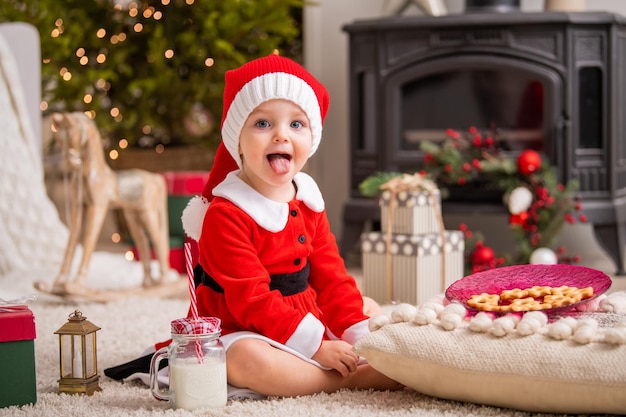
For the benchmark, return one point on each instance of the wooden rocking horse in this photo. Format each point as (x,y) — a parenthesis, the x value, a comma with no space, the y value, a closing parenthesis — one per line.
(96,188)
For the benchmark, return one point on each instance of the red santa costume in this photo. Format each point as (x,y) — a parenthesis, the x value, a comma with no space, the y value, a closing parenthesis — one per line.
(271,270)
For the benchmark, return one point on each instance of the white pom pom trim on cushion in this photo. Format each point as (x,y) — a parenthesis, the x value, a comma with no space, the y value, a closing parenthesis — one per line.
(193,216)
(452,316)
(403,312)
(379,321)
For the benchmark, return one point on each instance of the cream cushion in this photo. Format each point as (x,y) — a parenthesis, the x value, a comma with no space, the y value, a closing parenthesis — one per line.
(535,373)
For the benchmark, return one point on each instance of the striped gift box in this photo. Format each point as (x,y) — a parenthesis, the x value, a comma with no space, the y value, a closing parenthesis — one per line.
(413,213)
(416,262)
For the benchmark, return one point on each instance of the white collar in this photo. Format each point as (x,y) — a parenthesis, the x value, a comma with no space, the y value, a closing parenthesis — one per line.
(269,214)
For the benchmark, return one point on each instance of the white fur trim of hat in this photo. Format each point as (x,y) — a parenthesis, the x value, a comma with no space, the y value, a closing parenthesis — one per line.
(275,85)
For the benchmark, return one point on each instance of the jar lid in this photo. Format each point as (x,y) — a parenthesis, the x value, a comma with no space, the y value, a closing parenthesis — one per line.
(203,325)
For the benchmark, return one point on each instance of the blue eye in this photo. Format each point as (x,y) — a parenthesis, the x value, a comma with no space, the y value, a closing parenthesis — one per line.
(262,123)
(296,124)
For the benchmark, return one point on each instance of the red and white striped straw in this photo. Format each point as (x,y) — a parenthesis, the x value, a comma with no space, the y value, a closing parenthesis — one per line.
(192,297)
(190,282)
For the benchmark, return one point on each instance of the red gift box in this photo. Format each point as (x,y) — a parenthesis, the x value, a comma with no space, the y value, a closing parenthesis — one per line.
(181,187)
(185,182)
(18,385)
(177,255)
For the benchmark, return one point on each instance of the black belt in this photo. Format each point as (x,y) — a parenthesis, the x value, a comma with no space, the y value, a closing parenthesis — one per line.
(287,284)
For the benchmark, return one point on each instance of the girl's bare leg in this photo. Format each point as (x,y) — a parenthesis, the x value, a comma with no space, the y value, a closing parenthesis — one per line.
(255,364)
(371,308)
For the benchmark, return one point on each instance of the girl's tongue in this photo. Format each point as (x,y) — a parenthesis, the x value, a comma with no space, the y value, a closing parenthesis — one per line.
(280,163)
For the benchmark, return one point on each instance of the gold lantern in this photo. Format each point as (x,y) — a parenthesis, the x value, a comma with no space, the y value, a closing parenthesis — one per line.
(78,355)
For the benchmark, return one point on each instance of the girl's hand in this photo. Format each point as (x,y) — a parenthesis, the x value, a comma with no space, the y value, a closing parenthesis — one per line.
(338,355)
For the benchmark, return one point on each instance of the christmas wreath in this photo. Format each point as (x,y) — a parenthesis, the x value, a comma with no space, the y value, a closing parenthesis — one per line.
(538,205)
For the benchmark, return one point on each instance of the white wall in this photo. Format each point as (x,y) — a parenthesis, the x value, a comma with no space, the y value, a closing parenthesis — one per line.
(326,56)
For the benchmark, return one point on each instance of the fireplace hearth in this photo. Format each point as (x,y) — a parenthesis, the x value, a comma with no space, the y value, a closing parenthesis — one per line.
(550,81)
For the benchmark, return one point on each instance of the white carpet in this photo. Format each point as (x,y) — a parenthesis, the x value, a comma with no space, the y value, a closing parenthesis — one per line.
(129,326)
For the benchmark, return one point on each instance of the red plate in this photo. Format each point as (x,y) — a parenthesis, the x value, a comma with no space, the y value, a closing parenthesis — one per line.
(494,281)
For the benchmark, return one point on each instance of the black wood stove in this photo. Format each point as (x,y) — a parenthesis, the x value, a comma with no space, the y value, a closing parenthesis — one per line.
(553,81)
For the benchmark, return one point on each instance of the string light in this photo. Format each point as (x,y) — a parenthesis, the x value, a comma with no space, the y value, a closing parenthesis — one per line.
(65,74)
(58,30)
(102,84)
(113,154)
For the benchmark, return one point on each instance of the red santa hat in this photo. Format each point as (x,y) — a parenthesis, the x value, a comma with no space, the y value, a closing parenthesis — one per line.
(267,78)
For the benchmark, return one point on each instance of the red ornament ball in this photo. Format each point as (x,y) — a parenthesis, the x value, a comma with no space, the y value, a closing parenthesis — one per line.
(528,162)
(483,255)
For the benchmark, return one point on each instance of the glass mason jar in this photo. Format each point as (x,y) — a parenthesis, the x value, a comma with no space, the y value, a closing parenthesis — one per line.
(197,365)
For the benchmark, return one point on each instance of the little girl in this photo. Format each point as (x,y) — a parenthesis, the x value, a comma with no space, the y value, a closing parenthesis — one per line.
(269,266)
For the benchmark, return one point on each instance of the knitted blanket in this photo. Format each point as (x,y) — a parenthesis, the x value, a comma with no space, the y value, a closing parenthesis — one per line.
(31,233)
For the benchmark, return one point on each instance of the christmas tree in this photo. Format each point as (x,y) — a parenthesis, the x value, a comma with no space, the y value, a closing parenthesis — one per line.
(151,72)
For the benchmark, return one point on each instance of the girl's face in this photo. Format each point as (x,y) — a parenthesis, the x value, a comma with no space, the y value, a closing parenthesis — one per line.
(275,143)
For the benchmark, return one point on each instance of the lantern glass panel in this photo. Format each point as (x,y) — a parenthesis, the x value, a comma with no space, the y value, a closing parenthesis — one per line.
(66,355)
(77,358)
(90,354)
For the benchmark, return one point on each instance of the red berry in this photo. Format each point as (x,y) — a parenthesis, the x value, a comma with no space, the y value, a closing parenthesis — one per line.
(518,218)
